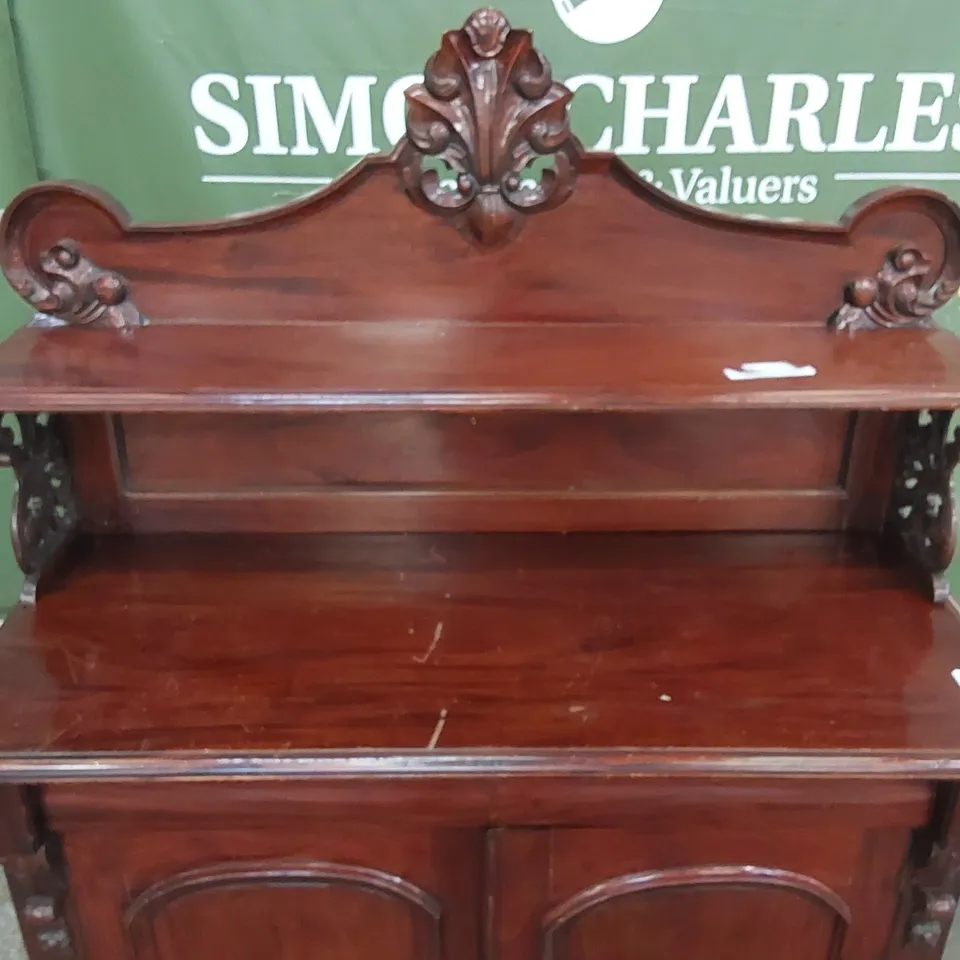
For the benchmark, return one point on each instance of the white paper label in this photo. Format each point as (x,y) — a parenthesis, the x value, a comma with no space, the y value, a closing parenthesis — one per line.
(769,370)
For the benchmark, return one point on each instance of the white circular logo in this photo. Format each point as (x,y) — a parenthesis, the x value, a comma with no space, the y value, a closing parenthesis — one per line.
(606,21)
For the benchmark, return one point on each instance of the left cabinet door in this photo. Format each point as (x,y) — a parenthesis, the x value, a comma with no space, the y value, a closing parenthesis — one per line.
(278,892)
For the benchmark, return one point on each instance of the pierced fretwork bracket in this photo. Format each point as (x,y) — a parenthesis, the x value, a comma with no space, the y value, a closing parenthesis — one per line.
(933,885)
(922,504)
(32,856)
(44,509)
(38,887)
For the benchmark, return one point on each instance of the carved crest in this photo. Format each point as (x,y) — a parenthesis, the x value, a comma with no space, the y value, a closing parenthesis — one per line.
(905,292)
(488,107)
(74,289)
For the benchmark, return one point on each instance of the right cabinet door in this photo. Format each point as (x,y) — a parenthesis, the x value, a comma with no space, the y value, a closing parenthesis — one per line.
(700,891)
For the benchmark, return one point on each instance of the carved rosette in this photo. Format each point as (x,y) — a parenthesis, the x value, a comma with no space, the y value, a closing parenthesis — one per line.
(488,107)
(44,511)
(72,288)
(904,293)
(922,508)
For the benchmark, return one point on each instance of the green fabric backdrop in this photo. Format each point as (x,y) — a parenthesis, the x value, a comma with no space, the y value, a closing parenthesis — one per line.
(186,110)
(17,170)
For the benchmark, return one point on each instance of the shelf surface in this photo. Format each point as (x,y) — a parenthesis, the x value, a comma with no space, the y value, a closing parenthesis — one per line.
(745,653)
(454,365)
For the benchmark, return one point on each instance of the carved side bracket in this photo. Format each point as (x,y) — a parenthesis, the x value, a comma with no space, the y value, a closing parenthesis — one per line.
(922,506)
(37,877)
(488,107)
(934,896)
(65,284)
(904,293)
(39,890)
(44,509)
(933,885)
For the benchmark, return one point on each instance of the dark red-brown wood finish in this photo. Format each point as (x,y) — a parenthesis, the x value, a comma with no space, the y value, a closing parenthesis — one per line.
(597,653)
(482,563)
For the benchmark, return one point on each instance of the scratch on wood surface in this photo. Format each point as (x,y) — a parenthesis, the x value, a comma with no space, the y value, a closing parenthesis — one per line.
(437,730)
(61,734)
(437,634)
(69,660)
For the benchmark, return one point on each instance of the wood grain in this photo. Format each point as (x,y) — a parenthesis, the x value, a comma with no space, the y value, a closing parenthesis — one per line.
(363,891)
(715,889)
(707,451)
(618,248)
(439,366)
(512,646)
(493,471)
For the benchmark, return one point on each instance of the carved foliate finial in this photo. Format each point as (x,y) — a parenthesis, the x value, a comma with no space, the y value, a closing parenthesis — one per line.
(69,286)
(488,30)
(903,293)
(488,107)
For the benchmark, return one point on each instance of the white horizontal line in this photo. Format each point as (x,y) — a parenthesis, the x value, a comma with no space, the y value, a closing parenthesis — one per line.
(897,176)
(237,178)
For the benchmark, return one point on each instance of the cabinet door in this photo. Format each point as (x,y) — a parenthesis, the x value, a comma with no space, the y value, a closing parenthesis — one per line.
(337,891)
(718,892)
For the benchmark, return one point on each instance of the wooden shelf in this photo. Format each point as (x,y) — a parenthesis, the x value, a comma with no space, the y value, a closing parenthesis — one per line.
(460,366)
(701,652)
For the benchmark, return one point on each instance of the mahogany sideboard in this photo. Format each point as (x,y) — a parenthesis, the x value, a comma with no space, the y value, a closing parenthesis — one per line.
(487,556)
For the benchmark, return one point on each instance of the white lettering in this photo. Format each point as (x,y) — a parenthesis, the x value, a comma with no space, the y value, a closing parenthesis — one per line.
(783,113)
(308,100)
(707,191)
(265,106)
(605,86)
(230,120)
(768,190)
(636,113)
(912,110)
(739,196)
(789,183)
(226,127)
(684,190)
(395,107)
(848,122)
(725,174)
(729,111)
(808,188)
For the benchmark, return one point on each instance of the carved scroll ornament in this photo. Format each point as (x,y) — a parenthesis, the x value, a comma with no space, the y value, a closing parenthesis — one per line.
(72,288)
(922,508)
(44,510)
(905,292)
(488,107)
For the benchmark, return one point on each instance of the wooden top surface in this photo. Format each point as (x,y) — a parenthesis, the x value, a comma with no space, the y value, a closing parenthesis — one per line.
(469,366)
(743,654)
